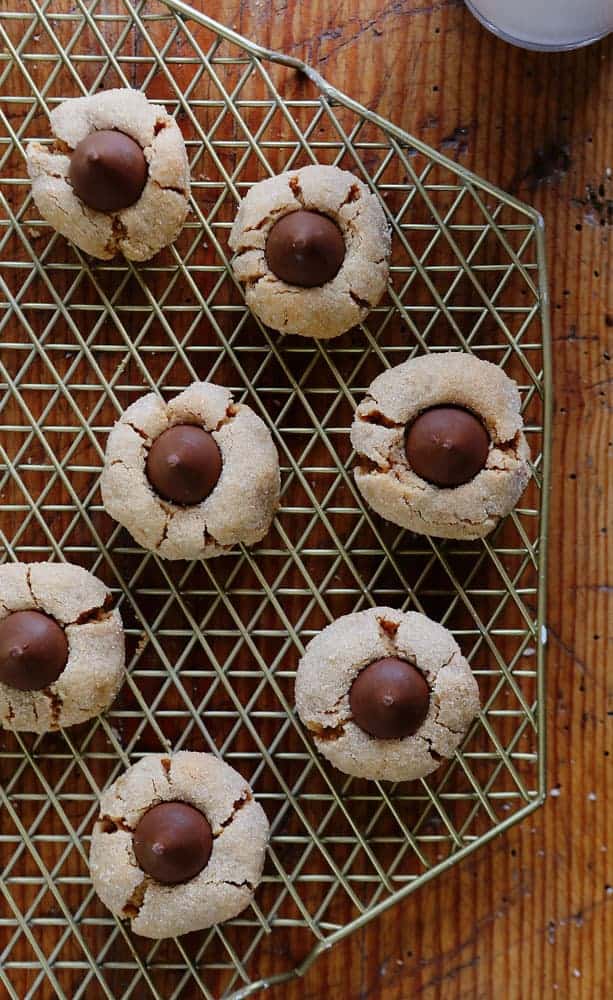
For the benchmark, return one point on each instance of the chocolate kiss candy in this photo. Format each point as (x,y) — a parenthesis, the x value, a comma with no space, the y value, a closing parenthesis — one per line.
(305,248)
(172,842)
(389,699)
(33,650)
(184,464)
(447,446)
(108,171)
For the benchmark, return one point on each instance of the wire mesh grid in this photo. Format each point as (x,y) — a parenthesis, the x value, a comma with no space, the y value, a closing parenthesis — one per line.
(213,647)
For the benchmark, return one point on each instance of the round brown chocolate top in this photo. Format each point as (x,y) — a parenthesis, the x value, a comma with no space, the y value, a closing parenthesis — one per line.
(305,248)
(172,842)
(184,464)
(108,171)
(447,446)
(389,699)
(33,650)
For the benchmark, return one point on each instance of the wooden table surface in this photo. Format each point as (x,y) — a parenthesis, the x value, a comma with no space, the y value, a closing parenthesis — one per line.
(526,916)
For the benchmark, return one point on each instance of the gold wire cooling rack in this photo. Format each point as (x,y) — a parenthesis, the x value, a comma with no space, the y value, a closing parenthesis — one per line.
(212,647)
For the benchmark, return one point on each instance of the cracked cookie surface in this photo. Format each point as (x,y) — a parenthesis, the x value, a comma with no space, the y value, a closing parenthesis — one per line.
(383,474)
(241,506)
(334,658)
(94,671)
(223,888)
(330,309)
(156,218)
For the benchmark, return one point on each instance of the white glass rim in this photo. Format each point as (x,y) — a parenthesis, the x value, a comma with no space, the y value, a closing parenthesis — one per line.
(523,43)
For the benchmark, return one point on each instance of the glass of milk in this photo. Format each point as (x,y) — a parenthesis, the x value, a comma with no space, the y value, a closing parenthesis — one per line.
(548,25)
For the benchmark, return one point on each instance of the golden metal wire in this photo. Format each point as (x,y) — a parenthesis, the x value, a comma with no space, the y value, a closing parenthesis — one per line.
(213,647)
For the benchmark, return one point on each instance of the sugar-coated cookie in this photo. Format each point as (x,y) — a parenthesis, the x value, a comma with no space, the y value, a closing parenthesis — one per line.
(312,249)
(193,477)
(179,844)
(385,694)
(61,646)
(440,446)
(117,178)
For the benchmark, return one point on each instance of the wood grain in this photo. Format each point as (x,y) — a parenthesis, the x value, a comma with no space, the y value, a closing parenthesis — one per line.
(525,917)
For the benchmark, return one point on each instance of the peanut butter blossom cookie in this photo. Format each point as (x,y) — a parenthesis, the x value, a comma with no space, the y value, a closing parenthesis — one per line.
(179,844)
(386,694)
(61,646)
(194,477)
(440,446)
(116,180)
(312,249)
